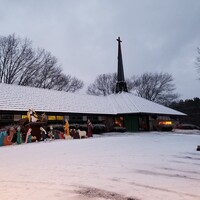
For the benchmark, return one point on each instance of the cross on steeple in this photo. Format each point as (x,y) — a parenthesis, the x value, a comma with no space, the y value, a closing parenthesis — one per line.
(118,39)
(121,83)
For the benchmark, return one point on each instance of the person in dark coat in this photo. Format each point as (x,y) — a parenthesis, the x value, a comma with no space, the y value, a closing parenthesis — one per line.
(89,128)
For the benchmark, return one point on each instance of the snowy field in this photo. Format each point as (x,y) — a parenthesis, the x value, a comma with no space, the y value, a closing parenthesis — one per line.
(128,166)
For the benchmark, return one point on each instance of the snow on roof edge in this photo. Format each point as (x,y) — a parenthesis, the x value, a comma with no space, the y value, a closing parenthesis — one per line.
(66,102)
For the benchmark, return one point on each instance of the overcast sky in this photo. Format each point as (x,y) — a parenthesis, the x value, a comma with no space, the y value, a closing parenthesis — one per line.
(157,36)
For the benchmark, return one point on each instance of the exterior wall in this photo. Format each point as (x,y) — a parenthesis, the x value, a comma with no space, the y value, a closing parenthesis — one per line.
(148,122)
(12,118)
(132,122)
(162,122)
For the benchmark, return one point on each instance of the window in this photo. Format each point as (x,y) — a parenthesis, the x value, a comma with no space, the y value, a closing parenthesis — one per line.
(119,121)
(51,117)
(84,118)
(17,117)
(60,118)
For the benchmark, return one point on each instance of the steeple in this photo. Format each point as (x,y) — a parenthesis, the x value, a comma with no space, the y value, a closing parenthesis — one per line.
(121,83)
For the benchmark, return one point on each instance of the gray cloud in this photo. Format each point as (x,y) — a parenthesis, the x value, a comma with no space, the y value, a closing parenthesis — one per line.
(158,36)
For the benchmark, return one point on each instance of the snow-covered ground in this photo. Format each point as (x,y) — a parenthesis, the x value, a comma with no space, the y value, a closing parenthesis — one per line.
(146,166)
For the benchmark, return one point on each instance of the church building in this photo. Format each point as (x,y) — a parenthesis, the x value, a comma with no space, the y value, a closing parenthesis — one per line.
(122,109)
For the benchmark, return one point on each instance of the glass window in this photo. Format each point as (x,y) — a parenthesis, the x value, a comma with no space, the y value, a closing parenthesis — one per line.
(119,121)
(84,118)
(60,118)
(51,117)
(17,117)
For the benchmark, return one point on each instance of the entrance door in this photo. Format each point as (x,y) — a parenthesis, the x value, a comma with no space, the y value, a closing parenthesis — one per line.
(131,123)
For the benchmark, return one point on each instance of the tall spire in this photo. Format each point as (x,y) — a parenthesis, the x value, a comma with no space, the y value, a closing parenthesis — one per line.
(121,83)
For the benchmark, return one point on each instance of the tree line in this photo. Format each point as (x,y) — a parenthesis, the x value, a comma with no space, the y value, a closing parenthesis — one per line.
(21,64)
(191,107)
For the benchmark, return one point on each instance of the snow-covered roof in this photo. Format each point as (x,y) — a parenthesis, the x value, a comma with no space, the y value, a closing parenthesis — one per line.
(21,98)
(129,103)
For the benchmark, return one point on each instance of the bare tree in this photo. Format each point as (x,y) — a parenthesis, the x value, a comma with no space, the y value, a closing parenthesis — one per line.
(198,62)
(68,83)
(21,64)
(48,72)
(156,87)
(74,85)
(105,85)
(15,55)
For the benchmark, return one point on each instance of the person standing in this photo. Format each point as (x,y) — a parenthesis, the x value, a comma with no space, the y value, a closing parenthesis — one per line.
(66,130)
(89,128)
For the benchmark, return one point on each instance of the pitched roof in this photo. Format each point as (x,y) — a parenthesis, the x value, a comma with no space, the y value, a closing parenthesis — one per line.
(21,98)
(129,103)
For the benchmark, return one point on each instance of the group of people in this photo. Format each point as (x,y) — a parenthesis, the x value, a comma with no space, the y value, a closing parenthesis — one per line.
(15,135)
(35,130)
(68,133)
